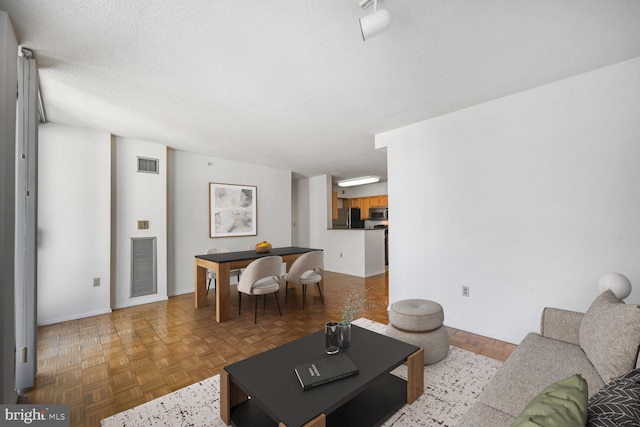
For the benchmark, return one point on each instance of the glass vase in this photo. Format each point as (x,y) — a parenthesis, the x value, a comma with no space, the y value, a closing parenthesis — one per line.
(345,334)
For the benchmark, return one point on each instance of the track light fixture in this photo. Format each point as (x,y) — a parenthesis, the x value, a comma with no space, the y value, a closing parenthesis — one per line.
(375,23)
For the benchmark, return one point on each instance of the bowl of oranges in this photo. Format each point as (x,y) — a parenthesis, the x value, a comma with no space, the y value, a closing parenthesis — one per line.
(263,246)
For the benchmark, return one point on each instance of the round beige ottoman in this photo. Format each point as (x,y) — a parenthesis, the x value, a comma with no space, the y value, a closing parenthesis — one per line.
(419,322)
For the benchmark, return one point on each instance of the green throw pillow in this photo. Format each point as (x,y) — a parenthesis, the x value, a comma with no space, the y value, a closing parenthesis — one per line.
(563,404)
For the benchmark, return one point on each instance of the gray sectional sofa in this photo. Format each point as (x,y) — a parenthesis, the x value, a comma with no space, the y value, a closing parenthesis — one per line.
(600,345)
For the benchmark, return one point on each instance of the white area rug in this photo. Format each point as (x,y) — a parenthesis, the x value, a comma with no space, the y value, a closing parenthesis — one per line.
(451,387)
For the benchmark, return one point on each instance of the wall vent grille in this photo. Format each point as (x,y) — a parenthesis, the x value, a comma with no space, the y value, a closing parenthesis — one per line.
(143,266)
(148,165)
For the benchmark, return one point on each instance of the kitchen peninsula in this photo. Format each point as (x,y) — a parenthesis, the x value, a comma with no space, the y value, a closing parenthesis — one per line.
(359,252)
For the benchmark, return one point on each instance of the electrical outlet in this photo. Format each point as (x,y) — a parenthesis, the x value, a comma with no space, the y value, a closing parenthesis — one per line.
(96,282)
(465,291)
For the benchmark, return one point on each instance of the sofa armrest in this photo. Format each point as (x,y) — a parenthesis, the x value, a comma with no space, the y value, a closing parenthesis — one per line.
(561,325)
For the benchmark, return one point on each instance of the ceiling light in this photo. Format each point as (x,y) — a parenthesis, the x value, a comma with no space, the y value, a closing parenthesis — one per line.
(358,181)
(375,23)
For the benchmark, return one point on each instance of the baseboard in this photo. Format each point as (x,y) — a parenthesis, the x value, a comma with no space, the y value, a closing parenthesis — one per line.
(375,273)
(141,300)
(73,317)
(484,332)
(181,292)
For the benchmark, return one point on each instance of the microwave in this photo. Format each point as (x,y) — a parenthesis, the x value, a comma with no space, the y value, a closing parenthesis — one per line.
(379,214)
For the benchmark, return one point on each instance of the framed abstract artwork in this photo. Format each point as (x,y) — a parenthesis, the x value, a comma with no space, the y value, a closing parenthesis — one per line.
(232,210)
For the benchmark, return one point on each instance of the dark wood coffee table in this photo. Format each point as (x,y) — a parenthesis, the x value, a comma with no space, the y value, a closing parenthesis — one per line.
(264,390)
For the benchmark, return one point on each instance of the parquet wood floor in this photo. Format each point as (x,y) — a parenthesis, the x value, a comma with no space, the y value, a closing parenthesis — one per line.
(105,364)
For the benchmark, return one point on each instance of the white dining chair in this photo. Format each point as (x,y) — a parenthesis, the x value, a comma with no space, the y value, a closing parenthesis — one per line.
(306,270)
(211,275)
(261,277)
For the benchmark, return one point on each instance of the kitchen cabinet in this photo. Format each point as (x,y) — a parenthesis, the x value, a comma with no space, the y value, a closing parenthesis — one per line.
(364,208)
(381,201)
(334,205)
(362,203)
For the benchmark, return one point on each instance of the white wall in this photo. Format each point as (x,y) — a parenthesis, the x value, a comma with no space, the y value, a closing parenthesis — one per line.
(527,200)
(8,84)
(189,177)
(300,212)
(374,252)
(73,223)
(344,250)
(138,196)
(362,190)
(85,228)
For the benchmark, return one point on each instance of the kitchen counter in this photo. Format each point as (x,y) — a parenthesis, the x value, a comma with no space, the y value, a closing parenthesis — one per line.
(360,252)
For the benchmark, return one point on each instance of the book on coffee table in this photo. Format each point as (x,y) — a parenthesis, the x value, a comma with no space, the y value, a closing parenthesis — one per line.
(322,371)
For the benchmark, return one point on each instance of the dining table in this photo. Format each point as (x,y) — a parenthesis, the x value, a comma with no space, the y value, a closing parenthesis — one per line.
(223,263)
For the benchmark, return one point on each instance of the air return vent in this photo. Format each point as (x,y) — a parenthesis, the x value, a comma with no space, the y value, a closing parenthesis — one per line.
(143,266)
(147,165)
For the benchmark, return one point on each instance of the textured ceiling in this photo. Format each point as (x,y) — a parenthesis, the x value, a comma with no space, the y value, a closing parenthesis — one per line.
(290,84)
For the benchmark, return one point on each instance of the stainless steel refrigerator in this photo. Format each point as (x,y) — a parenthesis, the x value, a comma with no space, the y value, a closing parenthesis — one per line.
(348,218)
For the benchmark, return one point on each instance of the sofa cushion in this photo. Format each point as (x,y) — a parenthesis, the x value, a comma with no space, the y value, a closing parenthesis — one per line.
(563,403)
(559,324)
(617,403)
(610,335)
(534,364)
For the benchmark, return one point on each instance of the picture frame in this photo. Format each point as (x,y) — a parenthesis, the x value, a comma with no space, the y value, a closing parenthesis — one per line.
(233,210)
